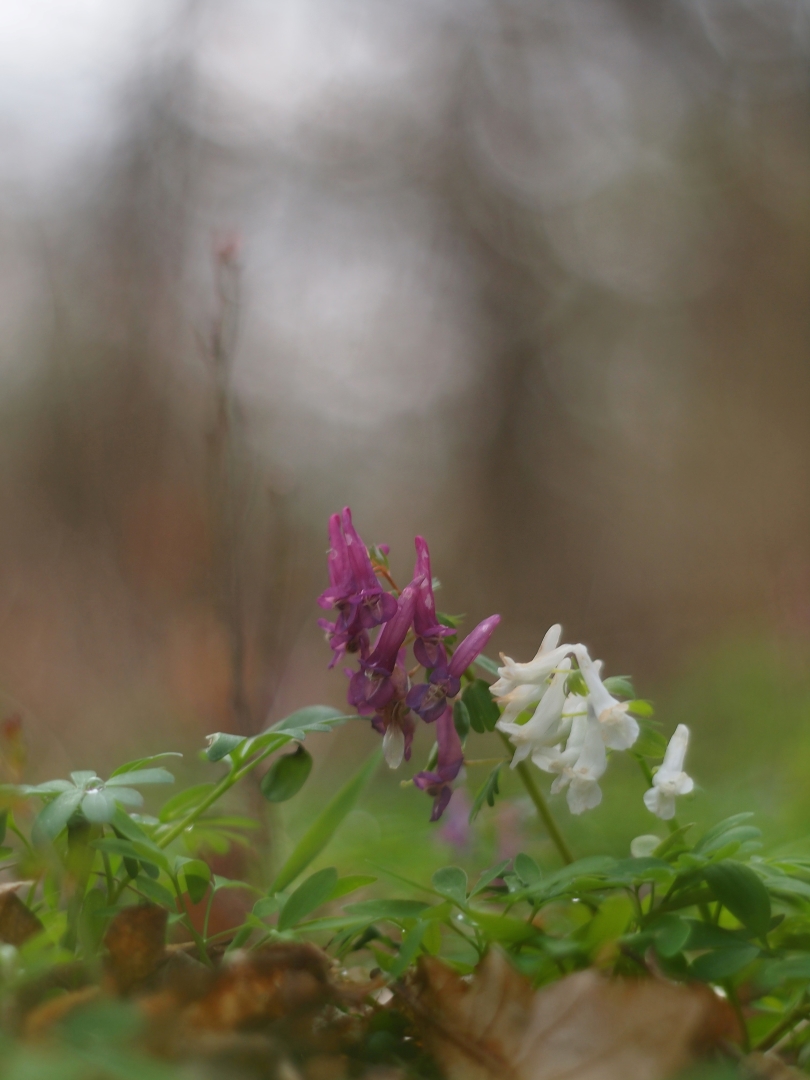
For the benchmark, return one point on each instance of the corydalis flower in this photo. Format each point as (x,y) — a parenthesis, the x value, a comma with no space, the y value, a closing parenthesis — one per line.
(430,699)
(579,767)
(619,729)
(378,681)
(395,722)
(536,671)
(547,725)
(428,647)
(450,759)
(521,686)
(670,780)
(361,601)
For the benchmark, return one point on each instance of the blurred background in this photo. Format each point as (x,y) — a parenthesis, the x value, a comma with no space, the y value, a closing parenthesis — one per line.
(529,277)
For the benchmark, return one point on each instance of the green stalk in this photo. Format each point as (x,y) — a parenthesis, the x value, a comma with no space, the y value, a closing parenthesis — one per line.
(536,795)
(795,1016)
(225,784)
(189,925)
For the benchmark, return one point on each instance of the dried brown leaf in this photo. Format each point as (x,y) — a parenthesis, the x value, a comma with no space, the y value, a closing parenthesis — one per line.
(770,1067)
(17,922)
(268,984)
(136,945)
(585,1027)
(51,1012)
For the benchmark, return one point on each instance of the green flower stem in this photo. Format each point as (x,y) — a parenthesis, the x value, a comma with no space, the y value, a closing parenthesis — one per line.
(189,924)
(108,877)
(536,795)
(795,1016)
(225,784)
(734,1001)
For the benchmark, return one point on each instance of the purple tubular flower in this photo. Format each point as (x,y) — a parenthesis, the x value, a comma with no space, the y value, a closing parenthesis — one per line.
(473,645)
(373,604)
(374,685)
(429,699)
(395,722)
(450,760)
(360,600)
(341,580)
(428,648)
(342,641)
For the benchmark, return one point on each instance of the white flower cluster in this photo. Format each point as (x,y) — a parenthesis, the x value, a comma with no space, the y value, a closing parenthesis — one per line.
(569,734)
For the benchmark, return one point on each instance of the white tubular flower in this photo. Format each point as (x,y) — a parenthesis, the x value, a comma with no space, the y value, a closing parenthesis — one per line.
(544,728)
(394,745)
(548,656)
(520,698)
(619,729)
(670,780)
(579,766)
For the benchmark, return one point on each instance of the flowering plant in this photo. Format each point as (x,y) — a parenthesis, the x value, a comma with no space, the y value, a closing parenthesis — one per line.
(92,874)
(575,719)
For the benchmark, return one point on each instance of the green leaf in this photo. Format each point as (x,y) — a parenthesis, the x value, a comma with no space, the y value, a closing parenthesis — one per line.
(483,712)
(671,934)
(142,763)
(54,817)
(486,793)
(350,884)
(84,777)
(610,921)
(640,707)
(197,876)
(286,776)
(155,892)
(335,923)
(141,776)
(740,890)
(575,683)
(180,804)
(127,796)
(98,807)
(461,719)
(722,963)
(775,973)
(673,840)
(311,718)
(722,827)
(266,906)
(387,909)
(620,686)
(326,824)
(638,870)
(130,828)
(408,950)
(451,881)
(503,928)
(313,892)
(488,877)
(3,824)
(133,849)
(704,935)
(527,869)
(221,744)
(740,834)
(50,787)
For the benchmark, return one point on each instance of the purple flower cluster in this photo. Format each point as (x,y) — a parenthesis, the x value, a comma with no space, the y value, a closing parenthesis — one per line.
(381,687)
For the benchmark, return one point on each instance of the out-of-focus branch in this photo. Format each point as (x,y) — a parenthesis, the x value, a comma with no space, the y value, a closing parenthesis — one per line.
(223,476)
